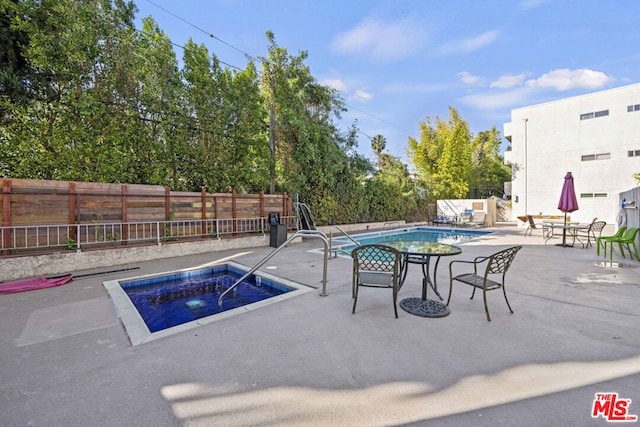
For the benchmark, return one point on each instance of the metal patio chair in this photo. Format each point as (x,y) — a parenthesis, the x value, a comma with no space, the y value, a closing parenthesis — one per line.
(496,266)
(592,232)
(376,266)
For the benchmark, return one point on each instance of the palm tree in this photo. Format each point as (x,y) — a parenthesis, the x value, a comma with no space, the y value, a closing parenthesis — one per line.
(378,143)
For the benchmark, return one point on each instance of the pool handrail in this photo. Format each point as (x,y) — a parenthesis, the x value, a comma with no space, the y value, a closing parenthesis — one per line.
(343,232)
(299,233)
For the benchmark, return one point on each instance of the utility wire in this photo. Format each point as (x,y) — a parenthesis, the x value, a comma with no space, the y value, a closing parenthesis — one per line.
(183,48)
(211,35)
(378,118)
(203,31)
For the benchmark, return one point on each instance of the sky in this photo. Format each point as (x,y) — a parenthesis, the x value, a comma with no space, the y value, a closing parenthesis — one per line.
(397,63)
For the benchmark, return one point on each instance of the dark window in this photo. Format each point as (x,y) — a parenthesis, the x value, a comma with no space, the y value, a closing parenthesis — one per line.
(586,116)
(601,156)
(602,113)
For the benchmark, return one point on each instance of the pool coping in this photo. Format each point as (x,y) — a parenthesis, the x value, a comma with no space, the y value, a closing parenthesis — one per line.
(139,333)
(339,242)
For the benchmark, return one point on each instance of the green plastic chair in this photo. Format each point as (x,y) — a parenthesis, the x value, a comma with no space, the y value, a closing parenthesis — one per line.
(602,240)
(628,239)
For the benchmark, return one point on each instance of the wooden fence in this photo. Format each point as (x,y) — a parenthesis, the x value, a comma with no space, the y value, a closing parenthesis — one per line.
(36,202)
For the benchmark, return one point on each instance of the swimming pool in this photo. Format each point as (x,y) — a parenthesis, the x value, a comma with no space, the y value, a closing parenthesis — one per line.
(155,306)
(343,245)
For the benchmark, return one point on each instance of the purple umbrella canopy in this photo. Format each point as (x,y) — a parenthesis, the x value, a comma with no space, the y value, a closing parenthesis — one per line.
(568,202)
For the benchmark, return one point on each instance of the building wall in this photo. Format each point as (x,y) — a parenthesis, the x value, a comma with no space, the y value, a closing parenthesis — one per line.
(548,140)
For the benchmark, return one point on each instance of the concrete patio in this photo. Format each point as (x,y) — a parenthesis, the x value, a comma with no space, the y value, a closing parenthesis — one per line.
(66,360)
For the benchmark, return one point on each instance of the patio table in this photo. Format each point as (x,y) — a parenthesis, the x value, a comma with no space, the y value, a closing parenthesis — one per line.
(418,252)
(571,229)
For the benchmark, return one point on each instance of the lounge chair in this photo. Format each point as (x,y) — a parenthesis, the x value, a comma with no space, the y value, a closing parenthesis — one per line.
(601,242)
(463,220)
(533,226)
(628,239)
(478,219)
(376,266)
(496,264)
(441,219)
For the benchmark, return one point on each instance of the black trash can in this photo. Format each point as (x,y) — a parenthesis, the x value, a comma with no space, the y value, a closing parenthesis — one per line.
(278,232)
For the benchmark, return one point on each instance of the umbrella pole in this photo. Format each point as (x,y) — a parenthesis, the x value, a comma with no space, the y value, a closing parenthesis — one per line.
(564,231)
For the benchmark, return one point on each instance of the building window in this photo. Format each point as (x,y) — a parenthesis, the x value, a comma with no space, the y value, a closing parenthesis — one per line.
(632,108)
(601,156)
(594,195)
(587,116)
(633,153)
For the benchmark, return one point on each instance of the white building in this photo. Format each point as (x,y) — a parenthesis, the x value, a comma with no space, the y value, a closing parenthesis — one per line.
(594,136)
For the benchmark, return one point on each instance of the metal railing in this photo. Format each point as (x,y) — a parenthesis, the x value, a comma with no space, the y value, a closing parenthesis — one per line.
(299,233)
(331,239)
(49,237)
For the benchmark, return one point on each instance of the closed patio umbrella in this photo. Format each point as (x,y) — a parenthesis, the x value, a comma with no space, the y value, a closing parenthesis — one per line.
(568,202)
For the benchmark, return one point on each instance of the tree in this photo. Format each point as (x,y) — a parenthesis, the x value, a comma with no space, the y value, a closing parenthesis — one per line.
(442,156)
(488,172)
(378,144)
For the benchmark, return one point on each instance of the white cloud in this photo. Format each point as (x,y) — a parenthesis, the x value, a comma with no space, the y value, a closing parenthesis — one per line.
(361,96)
(336,84)
(469,79)
(470,44)
(382,41)
(565,79)
(508,80)
(503,99)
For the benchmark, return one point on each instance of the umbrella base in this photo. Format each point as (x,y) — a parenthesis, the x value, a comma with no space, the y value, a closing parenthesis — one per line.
(563,245)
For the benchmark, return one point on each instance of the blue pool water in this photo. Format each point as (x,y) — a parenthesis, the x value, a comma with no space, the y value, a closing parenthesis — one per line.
(173,299)
(156,306)
(449,236)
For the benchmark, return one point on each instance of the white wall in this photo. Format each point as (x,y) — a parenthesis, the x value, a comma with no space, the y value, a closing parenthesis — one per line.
(548,140)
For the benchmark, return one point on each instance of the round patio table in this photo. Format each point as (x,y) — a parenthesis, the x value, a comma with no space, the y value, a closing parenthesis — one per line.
(418,252)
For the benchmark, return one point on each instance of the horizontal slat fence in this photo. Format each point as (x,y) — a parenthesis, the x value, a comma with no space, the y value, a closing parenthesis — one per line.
(37,211)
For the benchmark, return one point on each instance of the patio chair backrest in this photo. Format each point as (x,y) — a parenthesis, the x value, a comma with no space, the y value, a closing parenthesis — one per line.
(597,226)
(629,234)
(500,262)
(377,258)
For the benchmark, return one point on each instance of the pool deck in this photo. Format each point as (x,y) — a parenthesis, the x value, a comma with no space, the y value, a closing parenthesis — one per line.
(65,359)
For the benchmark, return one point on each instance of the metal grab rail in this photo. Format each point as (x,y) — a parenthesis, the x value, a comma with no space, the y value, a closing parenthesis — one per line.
(451,206)
(343,232)
(300,233)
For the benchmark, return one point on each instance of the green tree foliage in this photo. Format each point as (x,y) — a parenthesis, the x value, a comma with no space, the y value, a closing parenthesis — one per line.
(85,96)
(442,156)
(488,172)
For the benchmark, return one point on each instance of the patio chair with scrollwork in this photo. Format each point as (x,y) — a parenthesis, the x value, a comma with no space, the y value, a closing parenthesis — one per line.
(591,232)
(376,266)
(493,276)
